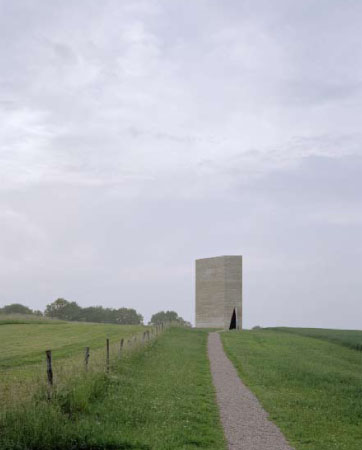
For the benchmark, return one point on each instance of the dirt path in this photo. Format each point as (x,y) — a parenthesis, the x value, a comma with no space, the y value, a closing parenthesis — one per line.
(245,422)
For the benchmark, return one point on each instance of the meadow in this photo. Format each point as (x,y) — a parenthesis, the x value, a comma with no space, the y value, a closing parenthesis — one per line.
(158,396)
(24,339)
(348,338)
(312,388)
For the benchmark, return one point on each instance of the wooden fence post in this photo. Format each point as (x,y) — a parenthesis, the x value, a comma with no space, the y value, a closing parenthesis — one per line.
(49,372)
(107,359)
(86,357)
(49,367)
(121,346)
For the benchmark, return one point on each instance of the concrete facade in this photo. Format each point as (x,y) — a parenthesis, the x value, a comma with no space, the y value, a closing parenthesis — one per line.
(218,291)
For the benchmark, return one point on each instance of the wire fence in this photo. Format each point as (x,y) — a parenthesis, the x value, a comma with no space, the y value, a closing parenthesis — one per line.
(22,383)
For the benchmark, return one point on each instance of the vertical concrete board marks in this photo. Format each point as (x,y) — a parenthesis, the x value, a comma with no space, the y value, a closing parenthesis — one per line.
(233,288)
(218,291)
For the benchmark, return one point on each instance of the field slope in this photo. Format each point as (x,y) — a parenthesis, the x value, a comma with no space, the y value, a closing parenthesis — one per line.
(311,387)
(23,341)
(157,397)
(348,338)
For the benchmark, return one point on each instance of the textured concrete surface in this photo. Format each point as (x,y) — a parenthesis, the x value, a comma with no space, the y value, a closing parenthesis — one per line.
(245,422)
(218,291)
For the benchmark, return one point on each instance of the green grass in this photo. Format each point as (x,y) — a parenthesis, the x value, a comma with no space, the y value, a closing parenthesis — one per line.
(160,397)
(348,338)
(23,341)
(8,319)
(312,388)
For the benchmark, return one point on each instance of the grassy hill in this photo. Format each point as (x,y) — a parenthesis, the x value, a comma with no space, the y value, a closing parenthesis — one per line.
(158,397)
(311,386)
(348,338)
(24,339)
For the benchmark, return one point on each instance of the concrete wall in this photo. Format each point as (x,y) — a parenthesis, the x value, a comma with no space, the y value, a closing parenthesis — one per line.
(218,291)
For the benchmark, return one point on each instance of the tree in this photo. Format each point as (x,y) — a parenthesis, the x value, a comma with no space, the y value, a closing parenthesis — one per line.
(167,316)
(63,309)
(123,316)
(93,314)
(16,308)
(128,316)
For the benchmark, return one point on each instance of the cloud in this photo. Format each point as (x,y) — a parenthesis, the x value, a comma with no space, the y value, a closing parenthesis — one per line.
(137,136)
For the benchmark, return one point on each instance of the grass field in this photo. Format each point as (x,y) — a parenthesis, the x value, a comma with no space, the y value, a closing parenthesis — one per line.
(311,387)
(348,338)
(159,397)
(9,319)
(23,340)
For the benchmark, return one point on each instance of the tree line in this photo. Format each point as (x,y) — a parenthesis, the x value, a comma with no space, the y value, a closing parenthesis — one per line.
(66,310)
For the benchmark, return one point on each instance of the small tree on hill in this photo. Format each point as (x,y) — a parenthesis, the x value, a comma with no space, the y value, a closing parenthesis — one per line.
(167,316)
(128,316)
(62,309)
(16,308)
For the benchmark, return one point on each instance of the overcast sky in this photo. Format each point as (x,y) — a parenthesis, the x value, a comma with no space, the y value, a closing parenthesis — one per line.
(137,136)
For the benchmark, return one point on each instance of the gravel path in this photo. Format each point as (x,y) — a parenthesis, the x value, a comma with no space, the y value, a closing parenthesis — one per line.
(245,422)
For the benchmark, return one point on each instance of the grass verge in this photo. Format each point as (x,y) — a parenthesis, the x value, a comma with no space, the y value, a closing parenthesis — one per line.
(160,397)
(311,388)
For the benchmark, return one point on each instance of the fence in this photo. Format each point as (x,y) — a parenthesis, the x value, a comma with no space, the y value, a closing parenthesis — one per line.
(58,372)
(131,343)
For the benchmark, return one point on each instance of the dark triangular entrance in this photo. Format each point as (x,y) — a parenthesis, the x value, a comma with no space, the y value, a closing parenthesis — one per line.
(233,321)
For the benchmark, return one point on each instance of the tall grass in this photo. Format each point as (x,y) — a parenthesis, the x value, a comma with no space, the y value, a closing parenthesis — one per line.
(26,381)
(157,396)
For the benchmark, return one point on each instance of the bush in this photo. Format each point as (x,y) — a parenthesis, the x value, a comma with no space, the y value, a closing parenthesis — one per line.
(15,308)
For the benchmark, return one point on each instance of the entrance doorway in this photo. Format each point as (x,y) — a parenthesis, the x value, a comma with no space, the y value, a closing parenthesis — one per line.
(233,321)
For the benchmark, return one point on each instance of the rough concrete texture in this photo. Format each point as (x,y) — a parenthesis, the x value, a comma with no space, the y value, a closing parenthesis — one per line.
(245,422)
(218,291)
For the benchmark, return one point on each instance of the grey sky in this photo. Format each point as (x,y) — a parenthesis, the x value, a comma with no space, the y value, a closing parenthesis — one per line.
(137,136)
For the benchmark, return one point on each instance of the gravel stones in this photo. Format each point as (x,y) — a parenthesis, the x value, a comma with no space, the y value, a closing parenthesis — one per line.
(245,422)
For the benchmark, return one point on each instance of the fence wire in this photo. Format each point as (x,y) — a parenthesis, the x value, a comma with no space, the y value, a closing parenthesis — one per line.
(23,383)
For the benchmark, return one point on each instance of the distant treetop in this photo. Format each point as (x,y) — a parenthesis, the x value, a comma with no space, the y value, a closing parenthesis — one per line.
(16,308)
(167,316)
(66,310)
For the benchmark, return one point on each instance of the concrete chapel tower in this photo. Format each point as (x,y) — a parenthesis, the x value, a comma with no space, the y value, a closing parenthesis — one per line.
(219,292)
